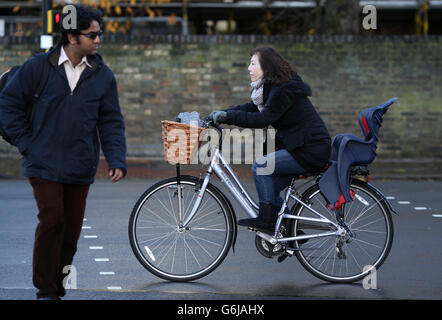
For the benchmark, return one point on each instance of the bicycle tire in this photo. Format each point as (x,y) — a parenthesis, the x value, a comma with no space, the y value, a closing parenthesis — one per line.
(160,220)
(372,243)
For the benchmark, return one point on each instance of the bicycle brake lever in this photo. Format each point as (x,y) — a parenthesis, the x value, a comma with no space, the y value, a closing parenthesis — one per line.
(218,127)
(210,123)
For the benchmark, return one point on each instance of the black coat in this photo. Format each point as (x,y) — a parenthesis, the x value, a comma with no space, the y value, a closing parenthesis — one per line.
(299,127)
(62,141)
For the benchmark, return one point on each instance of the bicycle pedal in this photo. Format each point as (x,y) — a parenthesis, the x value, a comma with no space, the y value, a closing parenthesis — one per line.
(282,257)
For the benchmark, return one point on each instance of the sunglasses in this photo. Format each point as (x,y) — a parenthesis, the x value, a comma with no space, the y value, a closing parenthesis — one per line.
(93,35)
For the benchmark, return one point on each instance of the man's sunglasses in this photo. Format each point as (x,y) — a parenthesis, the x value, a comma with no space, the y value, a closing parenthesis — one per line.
(93,35)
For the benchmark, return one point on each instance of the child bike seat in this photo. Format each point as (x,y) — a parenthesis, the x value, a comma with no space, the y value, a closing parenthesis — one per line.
(349,150)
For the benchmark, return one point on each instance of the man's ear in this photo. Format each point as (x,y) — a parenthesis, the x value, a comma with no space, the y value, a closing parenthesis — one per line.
(73,39)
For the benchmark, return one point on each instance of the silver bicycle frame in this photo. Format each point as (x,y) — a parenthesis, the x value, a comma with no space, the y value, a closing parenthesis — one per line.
(250,207)
(241,194)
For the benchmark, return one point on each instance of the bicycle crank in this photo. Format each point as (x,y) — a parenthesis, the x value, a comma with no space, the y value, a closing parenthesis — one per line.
(267,249)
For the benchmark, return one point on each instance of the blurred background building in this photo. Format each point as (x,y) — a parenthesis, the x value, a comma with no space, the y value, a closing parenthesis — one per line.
(133,17)
(172,56)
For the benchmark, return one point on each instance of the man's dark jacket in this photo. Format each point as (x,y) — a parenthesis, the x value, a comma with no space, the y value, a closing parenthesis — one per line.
(300,129)
(61,142)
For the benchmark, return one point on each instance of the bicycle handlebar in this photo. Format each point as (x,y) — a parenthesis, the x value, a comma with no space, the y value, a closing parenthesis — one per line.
(208,122)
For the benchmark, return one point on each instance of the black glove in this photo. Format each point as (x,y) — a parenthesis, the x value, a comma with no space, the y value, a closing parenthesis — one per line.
(218,117)
(210,117)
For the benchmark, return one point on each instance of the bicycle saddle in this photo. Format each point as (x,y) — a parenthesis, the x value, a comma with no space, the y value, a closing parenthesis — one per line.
(348,150)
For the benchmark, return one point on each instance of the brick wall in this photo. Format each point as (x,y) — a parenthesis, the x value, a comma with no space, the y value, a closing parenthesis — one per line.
(161,76)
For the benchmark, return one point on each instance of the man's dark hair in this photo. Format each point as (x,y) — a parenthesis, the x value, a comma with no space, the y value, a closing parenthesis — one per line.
(276,69)
(85,16)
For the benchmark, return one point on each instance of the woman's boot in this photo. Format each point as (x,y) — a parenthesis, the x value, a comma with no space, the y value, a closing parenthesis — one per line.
(266,219)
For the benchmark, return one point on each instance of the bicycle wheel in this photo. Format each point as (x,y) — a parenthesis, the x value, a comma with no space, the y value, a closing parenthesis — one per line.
(343,258)
(174,253)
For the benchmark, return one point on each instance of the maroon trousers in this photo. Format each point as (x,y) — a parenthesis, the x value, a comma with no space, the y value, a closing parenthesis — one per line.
(61,212)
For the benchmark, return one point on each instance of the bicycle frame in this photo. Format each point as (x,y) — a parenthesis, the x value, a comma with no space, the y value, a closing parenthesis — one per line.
(250,207)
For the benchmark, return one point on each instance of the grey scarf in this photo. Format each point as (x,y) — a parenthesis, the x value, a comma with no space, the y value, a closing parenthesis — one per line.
(257,93)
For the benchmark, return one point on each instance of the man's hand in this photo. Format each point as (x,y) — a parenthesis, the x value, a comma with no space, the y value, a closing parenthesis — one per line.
(116,174)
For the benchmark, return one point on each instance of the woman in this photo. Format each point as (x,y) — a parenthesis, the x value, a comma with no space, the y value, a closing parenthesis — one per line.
(279,98)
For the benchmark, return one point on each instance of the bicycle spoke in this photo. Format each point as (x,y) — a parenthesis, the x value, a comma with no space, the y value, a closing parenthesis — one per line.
(370,223)
(164,206)
(165,255)
(167,223)
(370,244)
(190,206)
(199,244)
(209,220)
(191,251)
(208,241)
(354,258)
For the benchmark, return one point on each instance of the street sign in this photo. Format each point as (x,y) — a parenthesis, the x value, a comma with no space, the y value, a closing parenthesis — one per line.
(46,41)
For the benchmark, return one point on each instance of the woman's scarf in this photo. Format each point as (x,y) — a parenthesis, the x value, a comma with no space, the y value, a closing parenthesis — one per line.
(257,93)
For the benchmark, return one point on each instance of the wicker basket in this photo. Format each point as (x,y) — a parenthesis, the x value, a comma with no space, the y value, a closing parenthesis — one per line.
(181,141)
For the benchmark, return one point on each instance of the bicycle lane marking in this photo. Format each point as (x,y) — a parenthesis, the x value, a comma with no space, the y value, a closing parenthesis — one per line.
(100,260)
(422,208)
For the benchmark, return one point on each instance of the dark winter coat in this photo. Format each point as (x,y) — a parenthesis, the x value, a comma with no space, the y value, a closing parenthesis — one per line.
(299,127)
(61,142)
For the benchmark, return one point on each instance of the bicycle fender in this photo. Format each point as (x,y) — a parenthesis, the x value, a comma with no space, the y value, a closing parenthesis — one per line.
(235,225)
(383,198)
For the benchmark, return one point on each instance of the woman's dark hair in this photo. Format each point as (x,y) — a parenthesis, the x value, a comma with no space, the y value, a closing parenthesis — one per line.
(276,69)
(85,16)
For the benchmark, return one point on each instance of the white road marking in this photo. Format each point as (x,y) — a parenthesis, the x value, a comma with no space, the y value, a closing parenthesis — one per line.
(403,202)
(101,259)
(86,227)
(90,237)
(96,248)
(114,288)
(391,198)
(107,273)
(420,208)
(437,215)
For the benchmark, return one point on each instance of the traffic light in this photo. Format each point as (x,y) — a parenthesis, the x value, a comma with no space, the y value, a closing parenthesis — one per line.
(54,18)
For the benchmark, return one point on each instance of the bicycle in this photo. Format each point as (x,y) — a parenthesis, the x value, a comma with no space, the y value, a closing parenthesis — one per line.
(182,228)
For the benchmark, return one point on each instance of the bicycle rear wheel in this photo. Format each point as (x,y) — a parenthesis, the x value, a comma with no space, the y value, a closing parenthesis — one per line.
(174,253)
(345,259)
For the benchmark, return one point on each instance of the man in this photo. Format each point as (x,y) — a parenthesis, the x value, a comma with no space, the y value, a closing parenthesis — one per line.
(77,110)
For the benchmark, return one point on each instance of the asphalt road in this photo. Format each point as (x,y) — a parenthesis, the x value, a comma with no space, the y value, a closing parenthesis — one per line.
(412,270)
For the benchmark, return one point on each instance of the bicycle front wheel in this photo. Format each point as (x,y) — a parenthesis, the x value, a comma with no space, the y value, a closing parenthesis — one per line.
(169,251)
(343,258)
